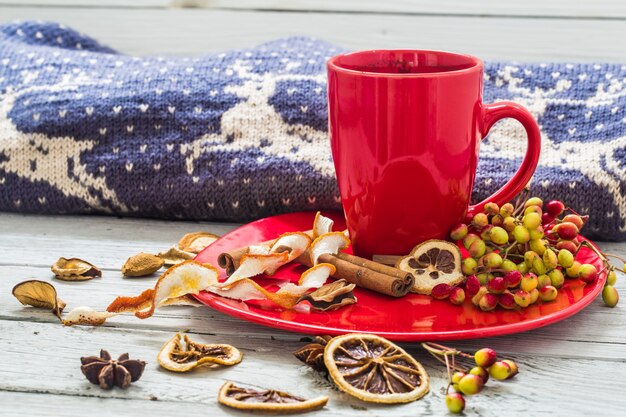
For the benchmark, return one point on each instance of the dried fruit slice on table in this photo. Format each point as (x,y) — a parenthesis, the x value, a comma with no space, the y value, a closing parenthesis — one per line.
(142,264)
(178,358)
(39,294)
(74,269)
(431,263)
(269,400)
(196,242)
(174,256)
(373,369)
(313,353)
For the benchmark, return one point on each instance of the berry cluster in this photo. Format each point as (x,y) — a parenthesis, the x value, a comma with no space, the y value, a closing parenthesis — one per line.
(522,253)
(470,381)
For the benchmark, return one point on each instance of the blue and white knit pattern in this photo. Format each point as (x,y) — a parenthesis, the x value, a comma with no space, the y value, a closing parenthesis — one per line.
(242,134)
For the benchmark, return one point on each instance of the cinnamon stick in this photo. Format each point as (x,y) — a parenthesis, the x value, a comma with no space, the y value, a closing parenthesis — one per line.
(360,271)
(383,279)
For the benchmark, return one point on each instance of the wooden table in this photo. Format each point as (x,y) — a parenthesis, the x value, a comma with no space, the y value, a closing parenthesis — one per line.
(575,367)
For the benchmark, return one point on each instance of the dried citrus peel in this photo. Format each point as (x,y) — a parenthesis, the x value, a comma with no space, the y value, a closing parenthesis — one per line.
(287,296)
(321,225)
(263,260)
(328,243)
(188,277)
(86,316)
(252,265)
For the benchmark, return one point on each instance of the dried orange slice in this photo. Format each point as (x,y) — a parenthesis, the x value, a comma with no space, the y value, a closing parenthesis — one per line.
(373,369)
(269,400)
(178,358)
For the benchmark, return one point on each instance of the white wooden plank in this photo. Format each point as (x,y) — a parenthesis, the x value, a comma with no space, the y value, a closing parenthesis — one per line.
(561,8)
(44,358)
(192,31)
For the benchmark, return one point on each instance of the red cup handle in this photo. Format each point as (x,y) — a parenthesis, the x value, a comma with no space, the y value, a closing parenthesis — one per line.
(491,113)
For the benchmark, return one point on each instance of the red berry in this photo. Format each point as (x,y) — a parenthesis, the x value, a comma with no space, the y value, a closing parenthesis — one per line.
(481,372)
(457,295)
(507,301)
(471,384)
(513,278)
(500,371)
(458,232)
(548,293)
(576,219)
(456,377)
(568,245)
(455,403)
(555,208)
(587,273)
(566,230)
(488,302)
(497,285)
(485,357)
(546,218)
(472,285)
(440,291)
(513,366)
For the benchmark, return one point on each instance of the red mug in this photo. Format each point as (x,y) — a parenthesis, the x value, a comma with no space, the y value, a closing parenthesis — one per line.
(405,126)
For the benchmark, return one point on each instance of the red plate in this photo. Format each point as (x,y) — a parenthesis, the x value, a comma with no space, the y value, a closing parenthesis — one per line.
(411,318)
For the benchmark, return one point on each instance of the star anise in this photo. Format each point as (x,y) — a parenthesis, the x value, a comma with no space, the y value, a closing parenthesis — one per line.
(313,353)
(107,372)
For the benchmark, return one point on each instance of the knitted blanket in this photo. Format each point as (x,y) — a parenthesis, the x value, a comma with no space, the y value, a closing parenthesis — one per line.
(242,134)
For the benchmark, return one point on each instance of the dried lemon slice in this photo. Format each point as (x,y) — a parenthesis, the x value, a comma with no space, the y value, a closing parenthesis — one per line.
(373,369)
(269,400)
(178,358)
(433,262)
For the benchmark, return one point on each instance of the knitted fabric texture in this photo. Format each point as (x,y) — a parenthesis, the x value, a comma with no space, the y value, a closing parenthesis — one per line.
(242,134)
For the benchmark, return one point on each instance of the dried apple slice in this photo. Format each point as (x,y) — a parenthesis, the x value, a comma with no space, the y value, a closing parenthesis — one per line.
(328,243)
(39,294)
(373,369)
(196,242)
(321,225)
(74,269)
(174,256)
(86,316)
(178,357)
(269,400)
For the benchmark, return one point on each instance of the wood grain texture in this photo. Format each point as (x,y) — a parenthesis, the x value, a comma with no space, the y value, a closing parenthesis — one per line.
(193,31)
(44,357)
(561,8)
(41,356)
